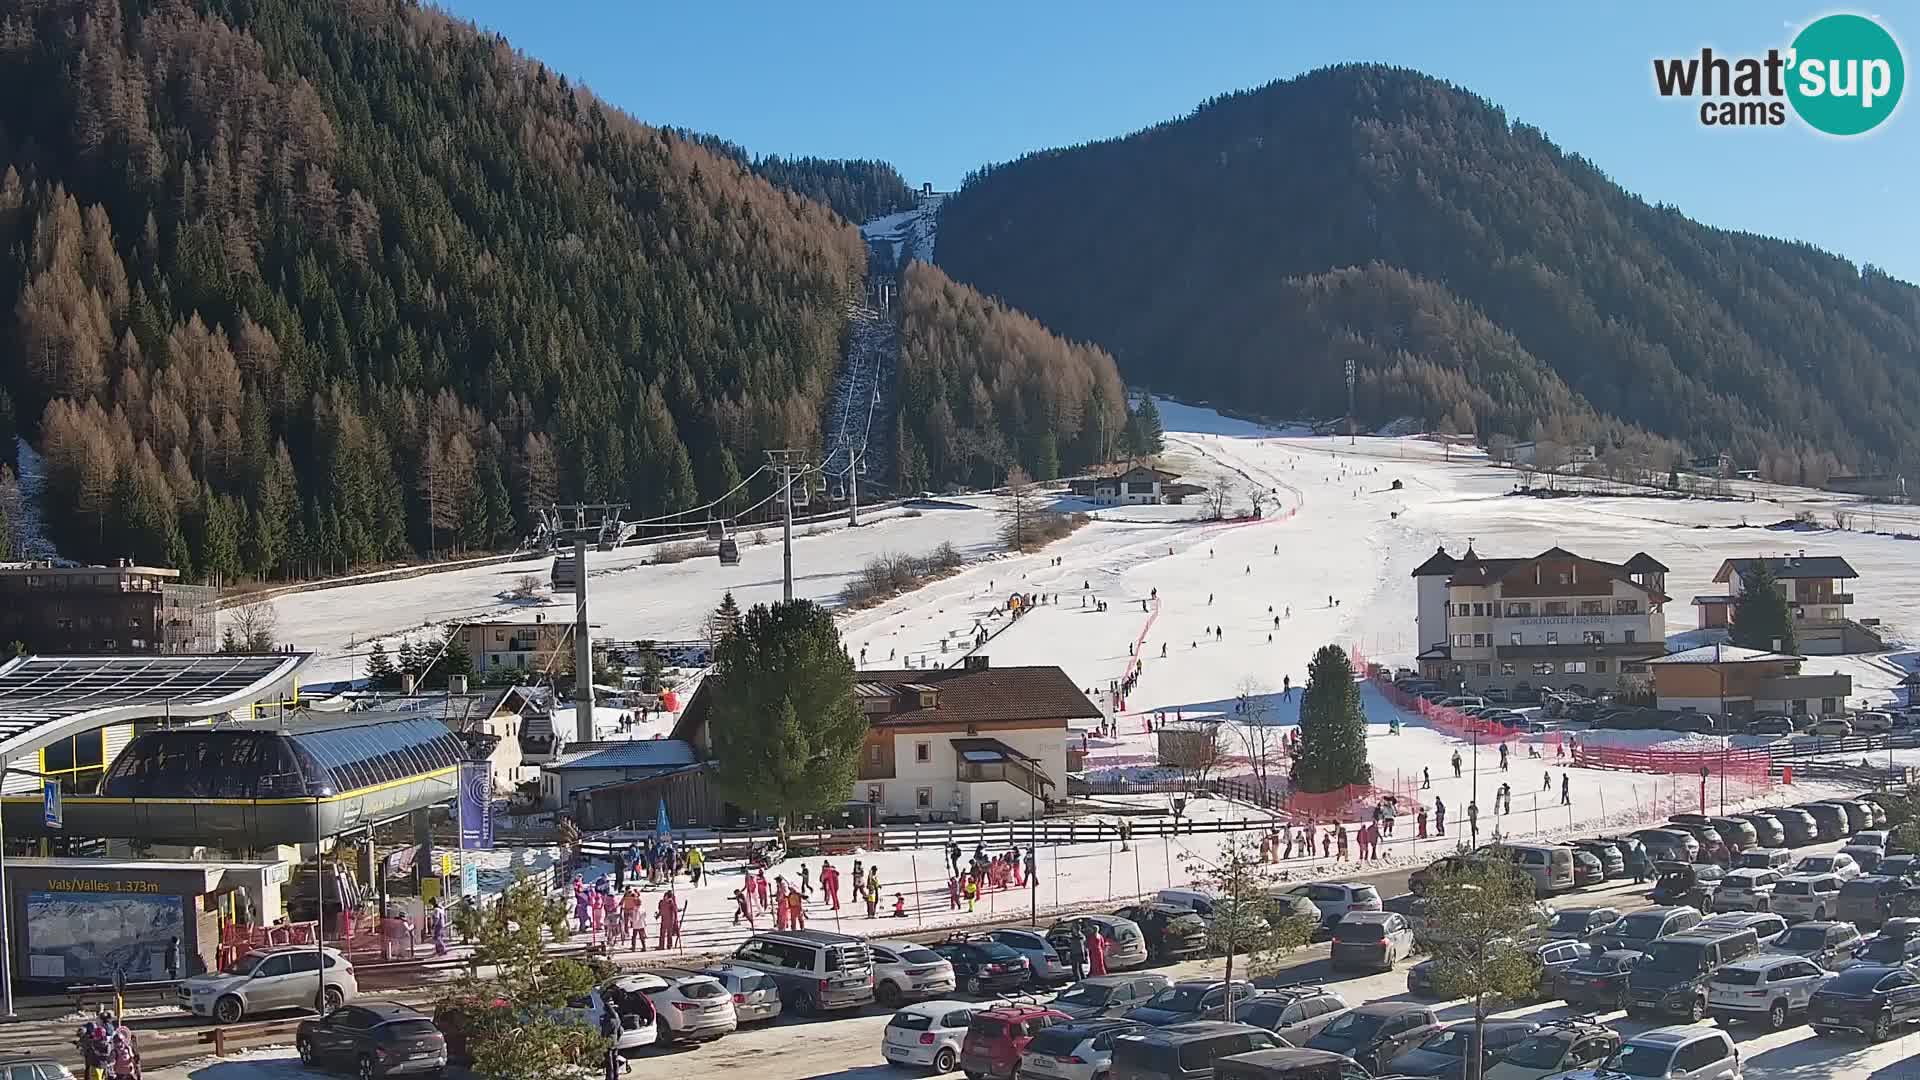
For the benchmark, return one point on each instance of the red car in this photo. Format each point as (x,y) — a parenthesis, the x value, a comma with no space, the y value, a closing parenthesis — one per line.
(997,1037)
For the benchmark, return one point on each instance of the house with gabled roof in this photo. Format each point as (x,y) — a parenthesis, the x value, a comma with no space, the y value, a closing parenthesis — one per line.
(1131,483)
(1734,681)
(969,743)
(1816,590)
(1553,619)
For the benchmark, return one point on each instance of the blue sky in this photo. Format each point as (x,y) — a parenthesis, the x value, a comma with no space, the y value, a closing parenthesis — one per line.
(938,89)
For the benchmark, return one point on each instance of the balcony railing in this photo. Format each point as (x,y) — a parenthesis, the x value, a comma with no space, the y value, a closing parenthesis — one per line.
(1018,775)
(1576,650)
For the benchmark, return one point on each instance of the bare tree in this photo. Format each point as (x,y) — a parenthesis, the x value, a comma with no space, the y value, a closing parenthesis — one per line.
(1548,457)
(1843,520)
(250,627)
(1193,751)
(1253,708)
(1219,497)
(1017,532)
(1499,447)
(1257,500)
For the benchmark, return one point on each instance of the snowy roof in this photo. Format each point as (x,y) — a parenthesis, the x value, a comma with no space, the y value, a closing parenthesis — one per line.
(1474,570)
(1790,566)
(1721,654)
(627,754)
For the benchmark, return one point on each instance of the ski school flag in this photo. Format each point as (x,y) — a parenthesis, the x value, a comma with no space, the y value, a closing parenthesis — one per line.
(476,805)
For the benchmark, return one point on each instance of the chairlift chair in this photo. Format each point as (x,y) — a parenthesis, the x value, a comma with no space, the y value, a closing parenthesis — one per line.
(716,530)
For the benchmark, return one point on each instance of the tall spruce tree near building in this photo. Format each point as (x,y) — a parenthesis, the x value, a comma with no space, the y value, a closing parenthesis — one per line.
(1144,430)
(1333,728)
(1762,619)
(380,670)
(785,729)
(724,621)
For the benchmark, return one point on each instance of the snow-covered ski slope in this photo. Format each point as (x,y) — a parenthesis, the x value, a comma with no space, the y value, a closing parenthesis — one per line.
(1338,530)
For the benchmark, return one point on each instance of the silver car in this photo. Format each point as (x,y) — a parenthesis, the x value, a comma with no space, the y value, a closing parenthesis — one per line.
(1042,960)
(287,977)
(756,996)
(1082,1050)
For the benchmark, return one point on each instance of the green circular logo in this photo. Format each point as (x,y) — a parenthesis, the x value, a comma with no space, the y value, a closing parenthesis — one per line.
(1847,74)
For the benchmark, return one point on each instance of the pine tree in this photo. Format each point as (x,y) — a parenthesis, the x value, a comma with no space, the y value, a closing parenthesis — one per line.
(1333,728)
(455,660)
(409,658)
(380,670)
(1149,438)
(499,530)
(1762,619)
(724,621)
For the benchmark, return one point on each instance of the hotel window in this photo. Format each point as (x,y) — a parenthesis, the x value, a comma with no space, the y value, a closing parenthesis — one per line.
(1514,638)
(923,752)
(923,797)
(1626,636)
(1575,667)
(1593,637)
(1519,611)
(1590,607)
(873,754)
(1626,607)
(1632,669)
(876,793)
(1479,609)
(1506,669)
(1479,641)
(1462,641)
(1485,670)
(1543,669)
(1556,607)
(1599,667)
(1463,609)
(1553,638)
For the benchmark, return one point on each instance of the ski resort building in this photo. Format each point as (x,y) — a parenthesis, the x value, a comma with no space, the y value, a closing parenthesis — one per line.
(1131,484)
(517,644)
(1553,619)
(972,743)
(1729,680)
(121,608)
(1816,590)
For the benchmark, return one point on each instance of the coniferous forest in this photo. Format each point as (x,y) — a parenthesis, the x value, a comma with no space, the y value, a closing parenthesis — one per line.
(295,287)
(1478,276)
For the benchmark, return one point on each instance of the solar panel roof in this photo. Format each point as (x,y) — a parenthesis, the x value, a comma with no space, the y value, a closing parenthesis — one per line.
(46,698)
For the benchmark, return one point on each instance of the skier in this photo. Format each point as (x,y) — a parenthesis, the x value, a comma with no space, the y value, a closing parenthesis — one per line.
(1546,781)
(1426,778)
(1163,650)
(1209,599)
(669,919)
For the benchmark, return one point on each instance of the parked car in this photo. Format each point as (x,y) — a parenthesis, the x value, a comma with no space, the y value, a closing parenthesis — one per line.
(1828,944)
(1374,1033)
(983,966)
(1126,944)
(1768,989)
(1873,838)
(632,1007)
(1739,833)
(1683,883)
(33,1067)
(1671,839)
(998,1036)
(1860,813)
(1770,725)
(1189,999)
(265,980)
(1766,925)
(1575,1043)
(1375,940)
(1873,1000)
(1613,861)
(1443,1054)
(691,1008)
(1670,1053)
(1806,896)
(1831,726)
(1768,830)
(1899,866)
(1745,890)
(1830,822)
(375,1038)
(1712,849)
(1801,826)
(1903,950)
(1294,1013)
(1081,1050)
(1108,995)
(1172,933)
(1184,1051)
(1598,980)
(1764,858)
(1335,899)
(1637,930)
(1865,857)
(756,997)
(815,970)
(1578,924)
(1839,864)
(1628,845)
(1418,881)
(928,1034)
(1587,869)
(1866,901)
(1672,980)
(1872,721)
(908,971)
(1044,967)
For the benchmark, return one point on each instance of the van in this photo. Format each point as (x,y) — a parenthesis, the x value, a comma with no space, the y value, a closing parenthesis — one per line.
(815,970)
(1672,978)
(1185,1051)
(1550,866)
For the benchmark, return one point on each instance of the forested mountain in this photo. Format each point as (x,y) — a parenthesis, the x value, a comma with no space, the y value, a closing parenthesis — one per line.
(1476,274)
(857,189)
(295,286)
(983,387)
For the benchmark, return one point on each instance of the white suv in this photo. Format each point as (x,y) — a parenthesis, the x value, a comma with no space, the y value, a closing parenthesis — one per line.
(1745,889)
(286,977)
(1806,896)
(1076,1051)
(1335,899)
(1671,1053)
(691,1008)
(1872,721)
(1765,989)
(908,971)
